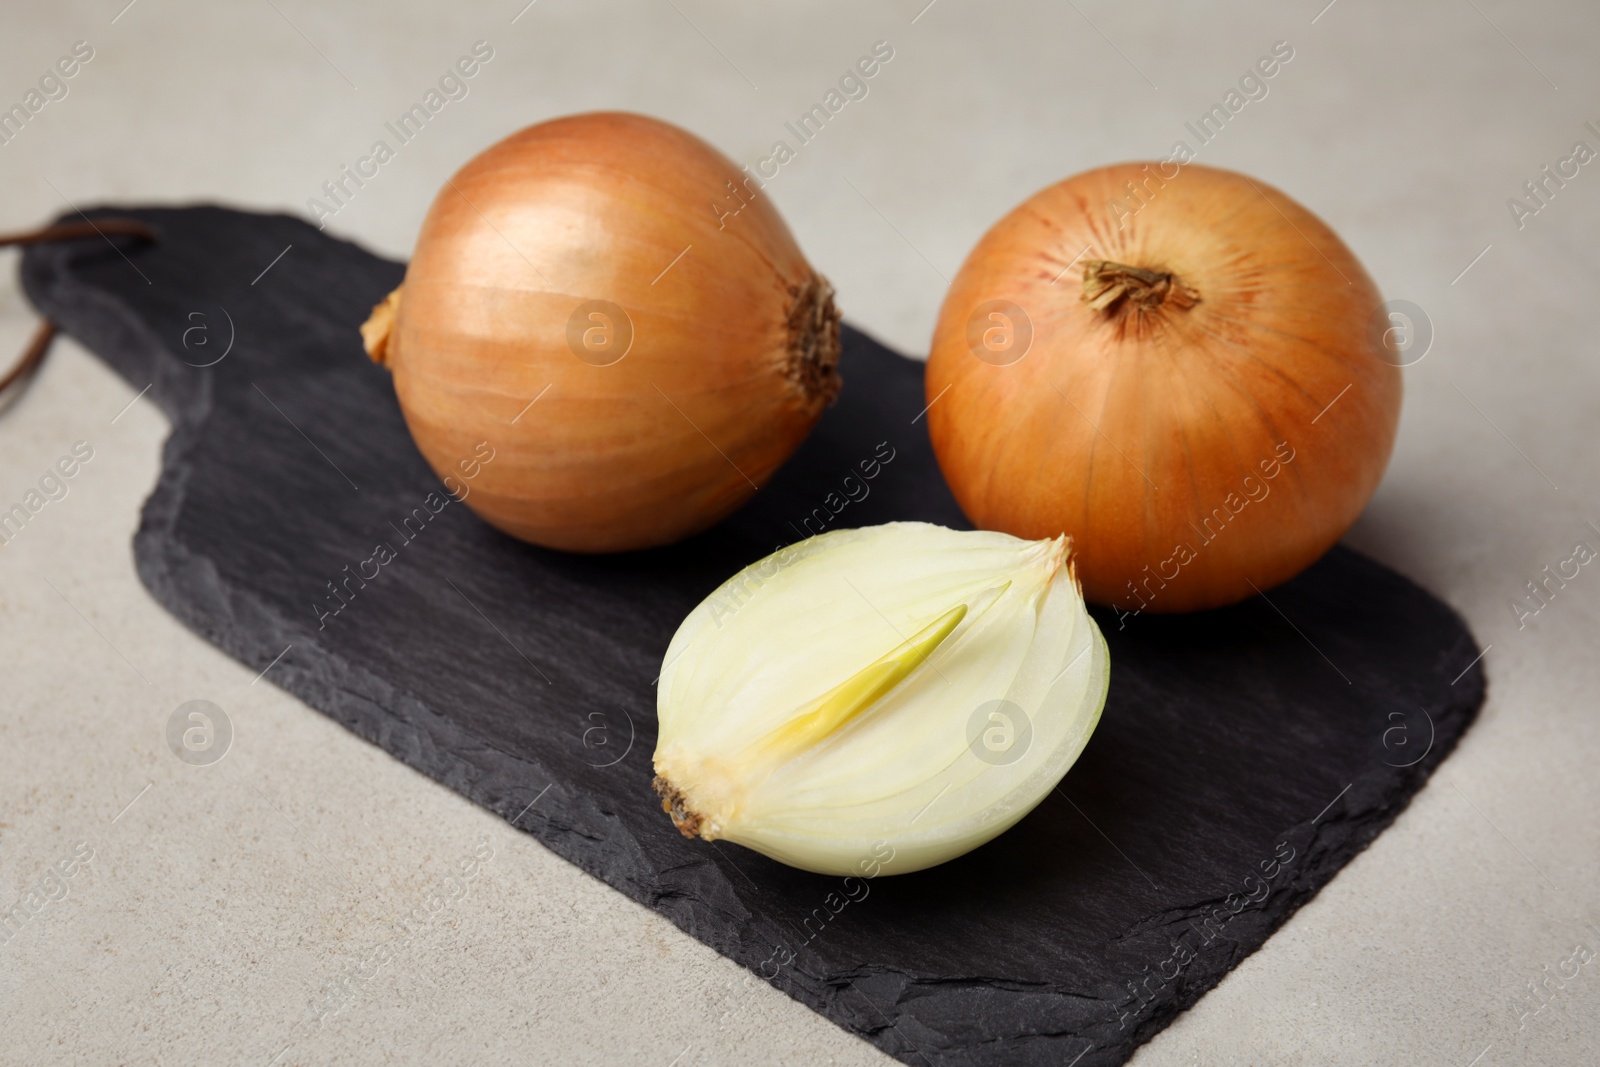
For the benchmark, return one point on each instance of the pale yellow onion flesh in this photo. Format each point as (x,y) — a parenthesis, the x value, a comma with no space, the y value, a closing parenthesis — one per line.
(783,633)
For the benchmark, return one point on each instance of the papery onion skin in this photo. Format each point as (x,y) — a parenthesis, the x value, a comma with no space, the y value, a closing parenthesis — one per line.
(1128,430)
(734,337)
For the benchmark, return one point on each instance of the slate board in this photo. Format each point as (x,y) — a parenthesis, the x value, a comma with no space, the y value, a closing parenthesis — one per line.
(1245,755)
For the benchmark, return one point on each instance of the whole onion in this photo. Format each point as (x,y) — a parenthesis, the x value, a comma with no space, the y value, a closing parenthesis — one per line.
(624,317)
(1177,367)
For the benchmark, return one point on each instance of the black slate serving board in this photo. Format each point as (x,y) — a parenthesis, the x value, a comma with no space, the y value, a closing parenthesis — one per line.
(1244,756)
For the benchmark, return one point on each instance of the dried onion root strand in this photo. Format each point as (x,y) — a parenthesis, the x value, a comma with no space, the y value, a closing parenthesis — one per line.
(631,280)
(812,367)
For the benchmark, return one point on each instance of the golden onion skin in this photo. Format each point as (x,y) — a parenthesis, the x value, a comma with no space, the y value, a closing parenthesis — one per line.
(1154,431)
(650,425)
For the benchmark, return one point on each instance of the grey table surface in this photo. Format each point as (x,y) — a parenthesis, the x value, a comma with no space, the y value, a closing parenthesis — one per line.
(222,902)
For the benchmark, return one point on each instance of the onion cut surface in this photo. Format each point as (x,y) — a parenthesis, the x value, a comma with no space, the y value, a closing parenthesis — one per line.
(992,617)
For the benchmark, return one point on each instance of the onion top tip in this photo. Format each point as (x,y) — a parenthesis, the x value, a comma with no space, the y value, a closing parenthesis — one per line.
(378,330)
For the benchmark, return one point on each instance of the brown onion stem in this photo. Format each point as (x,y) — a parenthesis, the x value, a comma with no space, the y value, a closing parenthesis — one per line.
(1118,288)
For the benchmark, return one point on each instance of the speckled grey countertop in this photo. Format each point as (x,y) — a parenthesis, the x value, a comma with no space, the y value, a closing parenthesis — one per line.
(222,903)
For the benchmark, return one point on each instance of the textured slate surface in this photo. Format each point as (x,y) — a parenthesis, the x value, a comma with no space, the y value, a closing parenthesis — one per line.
(1243,758)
